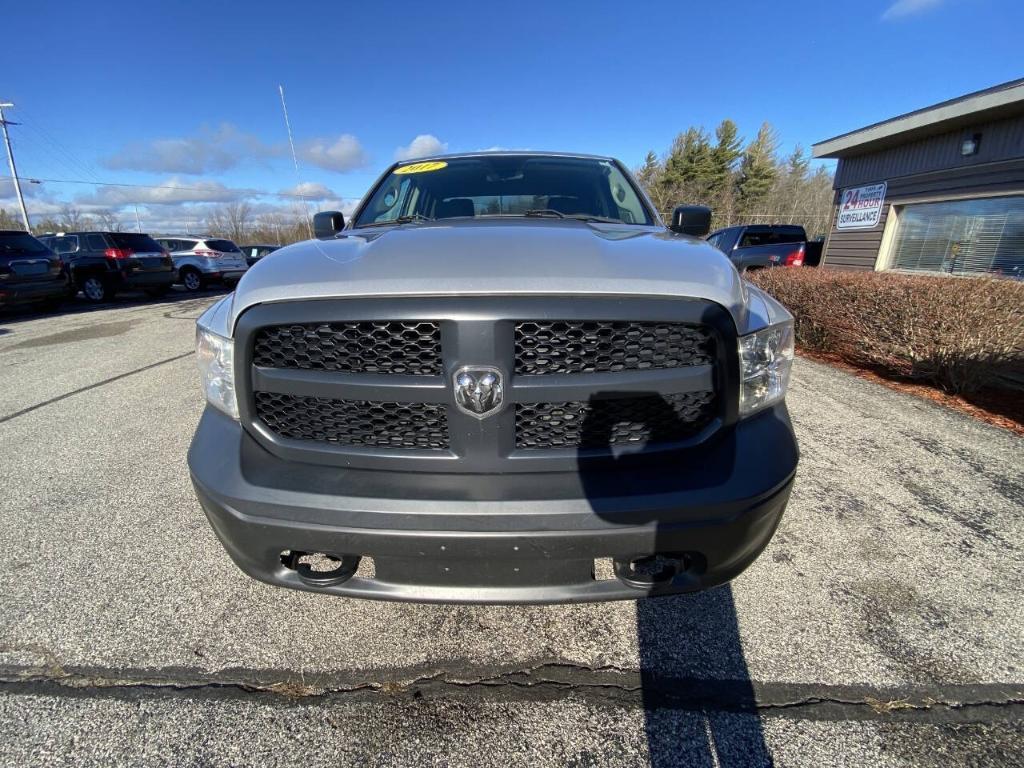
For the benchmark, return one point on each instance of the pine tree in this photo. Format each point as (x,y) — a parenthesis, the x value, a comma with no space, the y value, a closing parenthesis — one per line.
(648,173)
(724,155)
(758,172)
(797,165)
(689,169)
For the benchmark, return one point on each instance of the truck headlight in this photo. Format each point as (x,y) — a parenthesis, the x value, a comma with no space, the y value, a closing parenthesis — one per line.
(214,356)
(766,358)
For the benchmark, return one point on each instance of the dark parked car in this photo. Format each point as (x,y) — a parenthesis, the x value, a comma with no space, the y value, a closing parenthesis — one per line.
(29,271)
(762,245)
(254,253)
(103,263)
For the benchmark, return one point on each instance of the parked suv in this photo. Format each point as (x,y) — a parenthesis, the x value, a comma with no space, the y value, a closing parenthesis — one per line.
(203,260)
(504,381)
(254,253)
(30,272)
(763,245)
(103,263)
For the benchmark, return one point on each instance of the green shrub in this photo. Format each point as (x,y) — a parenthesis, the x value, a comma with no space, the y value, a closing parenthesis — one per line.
(959,334)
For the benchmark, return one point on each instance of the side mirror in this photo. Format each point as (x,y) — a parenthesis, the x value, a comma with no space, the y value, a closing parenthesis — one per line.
(327,224)
(693,220)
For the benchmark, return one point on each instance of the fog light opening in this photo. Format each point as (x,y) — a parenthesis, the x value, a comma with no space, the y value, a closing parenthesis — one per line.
(321,569)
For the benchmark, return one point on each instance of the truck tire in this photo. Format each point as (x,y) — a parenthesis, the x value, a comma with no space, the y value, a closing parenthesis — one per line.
(192,279)
(96,289)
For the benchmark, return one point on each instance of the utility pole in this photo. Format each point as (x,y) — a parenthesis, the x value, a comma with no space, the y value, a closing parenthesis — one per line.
(14,170)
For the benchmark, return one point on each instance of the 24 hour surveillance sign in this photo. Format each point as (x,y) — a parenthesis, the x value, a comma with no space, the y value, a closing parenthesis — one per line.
(861,207)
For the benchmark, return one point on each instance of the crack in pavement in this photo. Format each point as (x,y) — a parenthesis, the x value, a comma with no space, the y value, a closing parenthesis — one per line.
(92,386)
(613,686)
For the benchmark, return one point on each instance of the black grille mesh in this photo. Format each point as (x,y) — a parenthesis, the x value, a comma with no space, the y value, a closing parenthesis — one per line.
(586,346)
(393,347)
(354,422)
(600,423)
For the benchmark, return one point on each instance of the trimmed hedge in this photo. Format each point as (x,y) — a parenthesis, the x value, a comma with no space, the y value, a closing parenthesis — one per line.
(959,334)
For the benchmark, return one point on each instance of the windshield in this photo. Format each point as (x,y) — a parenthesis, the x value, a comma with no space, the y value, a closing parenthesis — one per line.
(506,185)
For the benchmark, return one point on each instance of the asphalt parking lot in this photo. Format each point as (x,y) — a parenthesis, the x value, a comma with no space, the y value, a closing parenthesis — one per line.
(883,626)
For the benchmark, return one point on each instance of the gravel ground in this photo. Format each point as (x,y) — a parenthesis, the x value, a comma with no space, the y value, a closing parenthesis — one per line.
(882,626)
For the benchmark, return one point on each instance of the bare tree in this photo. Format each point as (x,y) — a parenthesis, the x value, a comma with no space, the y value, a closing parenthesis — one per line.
(72,219)
(231,220)
(8,220)
(108,221)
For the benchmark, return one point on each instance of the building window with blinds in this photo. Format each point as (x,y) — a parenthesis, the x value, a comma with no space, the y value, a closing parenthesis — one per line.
(961,237)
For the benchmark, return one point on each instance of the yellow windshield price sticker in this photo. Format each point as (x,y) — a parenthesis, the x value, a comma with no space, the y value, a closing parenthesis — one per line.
(433,165)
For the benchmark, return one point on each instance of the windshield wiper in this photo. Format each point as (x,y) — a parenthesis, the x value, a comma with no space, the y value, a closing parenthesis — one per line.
(391,222)
(545,212)
(599,219)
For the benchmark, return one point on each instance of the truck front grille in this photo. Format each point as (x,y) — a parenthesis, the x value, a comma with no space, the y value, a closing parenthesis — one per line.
(590,346)
(364,347)
(369,383)
(354,422)
(649,419)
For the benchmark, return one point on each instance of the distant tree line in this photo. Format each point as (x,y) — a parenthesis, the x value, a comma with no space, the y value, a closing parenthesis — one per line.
(747,184)
(235,221)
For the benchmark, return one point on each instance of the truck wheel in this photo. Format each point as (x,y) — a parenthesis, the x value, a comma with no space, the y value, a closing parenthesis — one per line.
(96,289)
(191,279)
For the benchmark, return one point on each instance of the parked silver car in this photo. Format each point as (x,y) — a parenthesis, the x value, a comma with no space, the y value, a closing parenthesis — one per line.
(204,260)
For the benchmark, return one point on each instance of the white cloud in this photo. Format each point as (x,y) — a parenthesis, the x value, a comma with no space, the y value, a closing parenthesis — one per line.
(218,149)
(422,146)
(172,191)
(903,8)
(341,154)
(36,207)
(309,190)
(226,147)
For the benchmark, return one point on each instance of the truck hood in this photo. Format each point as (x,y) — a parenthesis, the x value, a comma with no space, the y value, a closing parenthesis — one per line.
(496,257)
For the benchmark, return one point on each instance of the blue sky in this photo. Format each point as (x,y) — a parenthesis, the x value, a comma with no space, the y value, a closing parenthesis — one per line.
(184,94)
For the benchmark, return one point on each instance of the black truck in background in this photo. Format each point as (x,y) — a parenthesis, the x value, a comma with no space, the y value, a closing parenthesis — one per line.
(103,263)
(767,245)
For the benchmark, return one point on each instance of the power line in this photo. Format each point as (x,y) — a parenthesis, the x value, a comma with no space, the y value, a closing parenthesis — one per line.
(59,149)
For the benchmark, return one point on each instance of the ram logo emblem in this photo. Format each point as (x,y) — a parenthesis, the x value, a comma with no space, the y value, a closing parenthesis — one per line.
(478,390)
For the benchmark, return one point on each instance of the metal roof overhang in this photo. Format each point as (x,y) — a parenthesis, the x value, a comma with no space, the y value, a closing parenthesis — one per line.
(1003,100)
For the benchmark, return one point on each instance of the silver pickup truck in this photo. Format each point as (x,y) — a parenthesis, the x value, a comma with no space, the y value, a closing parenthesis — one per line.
(504,380)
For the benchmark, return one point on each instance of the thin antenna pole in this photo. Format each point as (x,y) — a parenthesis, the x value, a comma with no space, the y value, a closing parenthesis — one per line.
(14,170)
(295,158)
(138,221)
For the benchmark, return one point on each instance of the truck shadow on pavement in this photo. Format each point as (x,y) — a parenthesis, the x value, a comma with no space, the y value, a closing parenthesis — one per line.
(698,698)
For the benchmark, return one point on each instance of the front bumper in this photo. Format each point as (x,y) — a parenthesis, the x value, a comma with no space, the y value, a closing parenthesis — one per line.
(486,543)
